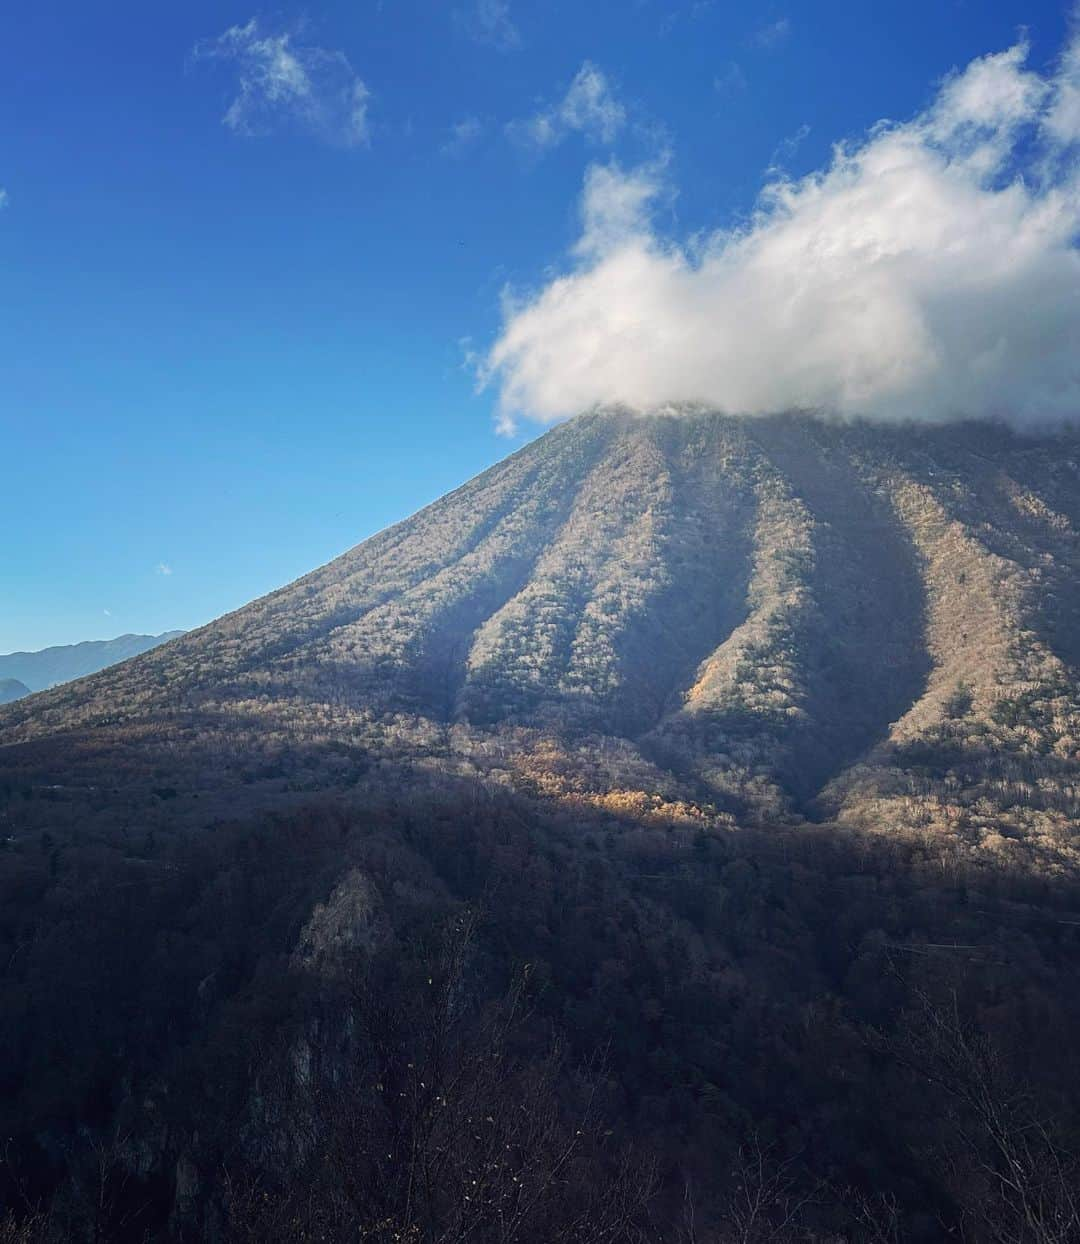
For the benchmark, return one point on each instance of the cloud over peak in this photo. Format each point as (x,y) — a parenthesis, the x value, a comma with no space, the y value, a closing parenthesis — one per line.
(929,271)
(282,84)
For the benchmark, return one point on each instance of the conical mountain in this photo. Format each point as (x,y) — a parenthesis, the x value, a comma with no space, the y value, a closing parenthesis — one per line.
(730,618)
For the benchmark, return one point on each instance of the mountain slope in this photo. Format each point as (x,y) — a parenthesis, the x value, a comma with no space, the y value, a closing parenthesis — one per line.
(51,666)
(749,619)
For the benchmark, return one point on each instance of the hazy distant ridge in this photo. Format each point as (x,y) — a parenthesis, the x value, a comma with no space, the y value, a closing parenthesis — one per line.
(11,689)
(52,666)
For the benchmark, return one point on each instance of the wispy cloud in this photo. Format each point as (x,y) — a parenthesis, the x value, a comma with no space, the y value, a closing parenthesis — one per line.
(772,34)
(5,198)
(786,148)
(730,80)
(928,271)
(696,11)
(284,84)
(489,22)
(589,107)
(163,568)
(463,134)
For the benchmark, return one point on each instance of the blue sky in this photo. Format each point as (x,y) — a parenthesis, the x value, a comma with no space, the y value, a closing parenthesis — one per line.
(237,314)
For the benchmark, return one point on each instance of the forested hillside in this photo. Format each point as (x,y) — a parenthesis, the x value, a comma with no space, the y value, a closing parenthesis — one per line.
(669,835)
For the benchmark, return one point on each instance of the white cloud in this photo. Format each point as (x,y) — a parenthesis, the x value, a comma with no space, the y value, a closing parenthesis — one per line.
(930,271)
(163,568)
(489,21)
(772,34)
(1063,115)
(589,107)
(462,136)
(283,84)
(5,198)
(615,205)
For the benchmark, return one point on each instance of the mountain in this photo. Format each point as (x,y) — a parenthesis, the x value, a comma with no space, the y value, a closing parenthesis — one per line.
(51,666)
(12,689)
(758,619)
(669,835)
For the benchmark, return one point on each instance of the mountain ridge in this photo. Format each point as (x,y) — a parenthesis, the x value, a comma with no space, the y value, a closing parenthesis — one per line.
(47,667)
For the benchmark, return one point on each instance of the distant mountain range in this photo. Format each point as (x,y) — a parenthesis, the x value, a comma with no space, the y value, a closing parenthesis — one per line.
(24,672)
